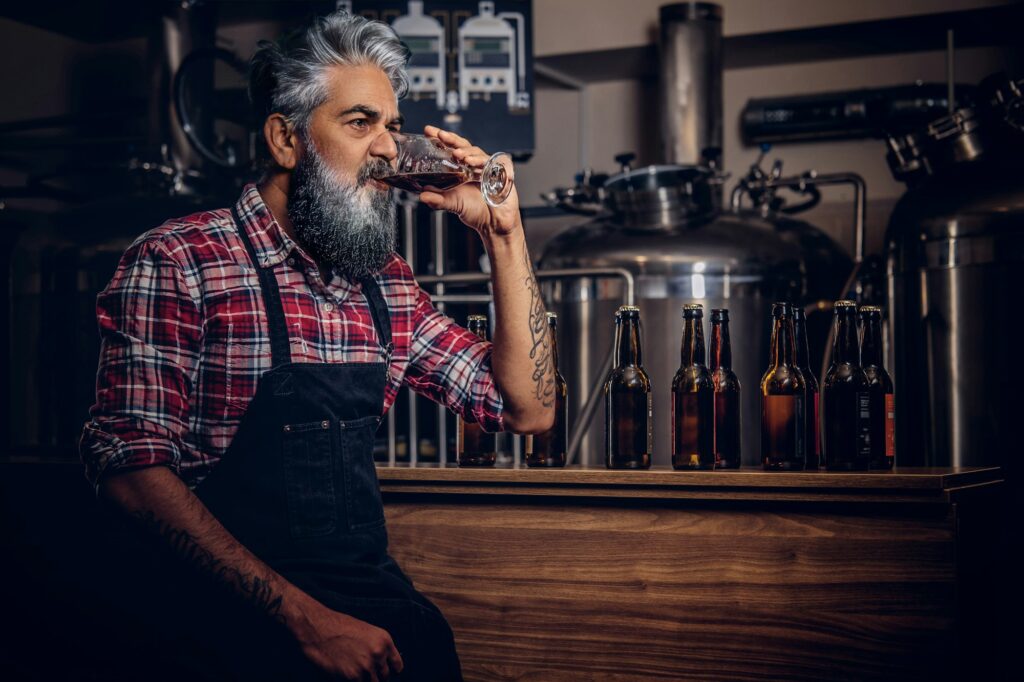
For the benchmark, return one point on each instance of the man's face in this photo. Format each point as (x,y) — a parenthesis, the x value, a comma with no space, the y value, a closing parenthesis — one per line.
(340,214)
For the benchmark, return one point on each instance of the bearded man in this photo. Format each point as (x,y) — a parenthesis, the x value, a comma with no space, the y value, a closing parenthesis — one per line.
(249,354)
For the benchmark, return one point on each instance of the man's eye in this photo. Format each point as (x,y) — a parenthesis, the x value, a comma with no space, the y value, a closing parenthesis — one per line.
(359,123)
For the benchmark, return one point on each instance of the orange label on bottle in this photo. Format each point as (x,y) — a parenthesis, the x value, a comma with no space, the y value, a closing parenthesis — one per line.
(890,425)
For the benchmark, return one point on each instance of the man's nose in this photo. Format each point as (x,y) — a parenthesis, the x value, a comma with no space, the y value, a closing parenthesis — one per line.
(384,146)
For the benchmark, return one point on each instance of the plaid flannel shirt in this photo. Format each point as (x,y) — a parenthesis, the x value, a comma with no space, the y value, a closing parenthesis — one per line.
(184,341)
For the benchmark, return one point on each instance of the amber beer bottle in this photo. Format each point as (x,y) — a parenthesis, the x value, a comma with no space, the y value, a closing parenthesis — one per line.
(549,449)
(727,393)
(803,361)
(627,394)
(783,400)
(693,398)
(475,447)
(880,389)
(845,397)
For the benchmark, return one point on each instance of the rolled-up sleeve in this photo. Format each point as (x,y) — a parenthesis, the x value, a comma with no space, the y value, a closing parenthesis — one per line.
(452,366)
(150,331)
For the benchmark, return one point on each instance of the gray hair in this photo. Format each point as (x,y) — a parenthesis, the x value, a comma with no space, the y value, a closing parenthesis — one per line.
(289,76)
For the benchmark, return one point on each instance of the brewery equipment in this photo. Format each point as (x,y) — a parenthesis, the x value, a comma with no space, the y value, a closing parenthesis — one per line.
(492,57)
(425,38)
(666,225)
(955,246)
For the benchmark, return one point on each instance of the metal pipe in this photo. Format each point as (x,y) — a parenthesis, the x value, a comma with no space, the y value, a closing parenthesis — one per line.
(558,273)
(950,72)
(409,242)
(800,183)
(589,408)
(462,298)
(438,228)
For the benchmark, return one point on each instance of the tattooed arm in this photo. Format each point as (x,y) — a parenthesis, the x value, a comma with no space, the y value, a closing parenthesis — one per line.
(164,508)
(521,359)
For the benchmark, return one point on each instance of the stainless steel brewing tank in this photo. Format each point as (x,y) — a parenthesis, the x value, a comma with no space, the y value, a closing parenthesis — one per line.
(662,230)
(955,254)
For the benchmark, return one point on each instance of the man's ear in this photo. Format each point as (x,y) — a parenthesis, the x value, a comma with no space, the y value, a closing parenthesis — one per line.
(282,142)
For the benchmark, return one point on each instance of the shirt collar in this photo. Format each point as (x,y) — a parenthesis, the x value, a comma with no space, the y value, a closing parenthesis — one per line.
(271,243)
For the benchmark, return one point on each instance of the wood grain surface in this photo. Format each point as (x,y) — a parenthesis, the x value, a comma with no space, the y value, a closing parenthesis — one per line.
(551,589)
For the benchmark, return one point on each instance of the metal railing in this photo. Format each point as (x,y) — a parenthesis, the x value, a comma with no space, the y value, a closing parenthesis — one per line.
(439,280)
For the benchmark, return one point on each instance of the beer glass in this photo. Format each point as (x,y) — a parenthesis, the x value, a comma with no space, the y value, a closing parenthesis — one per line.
(426,164)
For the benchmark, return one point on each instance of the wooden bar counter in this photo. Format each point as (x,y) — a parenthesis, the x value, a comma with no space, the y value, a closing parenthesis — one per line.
(589,574)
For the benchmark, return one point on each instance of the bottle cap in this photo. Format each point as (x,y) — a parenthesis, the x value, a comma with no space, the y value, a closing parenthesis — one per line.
(552,316)
(845,304)
(870,309)
(628,309)
(476,318)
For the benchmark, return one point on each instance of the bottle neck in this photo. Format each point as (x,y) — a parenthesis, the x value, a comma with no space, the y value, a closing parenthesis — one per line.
(782,342)
(871,345)
(627,339)
(554,345)
(692,351)
(845,347)
(803,351)
(721,347)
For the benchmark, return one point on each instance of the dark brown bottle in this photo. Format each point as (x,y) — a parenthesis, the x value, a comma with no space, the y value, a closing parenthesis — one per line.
(693,398)
(803,361)
(727,393)
(474,446)
(783,398)
(880,389)
(845,399)
(549,449)
(627,395)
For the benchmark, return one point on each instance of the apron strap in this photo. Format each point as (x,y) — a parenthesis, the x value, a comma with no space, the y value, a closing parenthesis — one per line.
(280,347)
(381,318)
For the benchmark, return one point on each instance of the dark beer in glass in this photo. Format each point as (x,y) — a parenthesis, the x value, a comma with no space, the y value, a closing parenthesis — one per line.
(627,398)
(550,449)
(727,393)
(783,400)
(693,398)
(473,446)
(845,397)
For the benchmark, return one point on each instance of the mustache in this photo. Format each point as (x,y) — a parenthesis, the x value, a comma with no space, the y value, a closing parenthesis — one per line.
(371,170)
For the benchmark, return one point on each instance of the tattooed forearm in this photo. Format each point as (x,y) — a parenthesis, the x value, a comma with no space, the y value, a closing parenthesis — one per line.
(253,590)
(540,351)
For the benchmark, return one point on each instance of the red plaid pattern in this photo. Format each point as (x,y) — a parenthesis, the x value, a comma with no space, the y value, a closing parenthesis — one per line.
(184,341)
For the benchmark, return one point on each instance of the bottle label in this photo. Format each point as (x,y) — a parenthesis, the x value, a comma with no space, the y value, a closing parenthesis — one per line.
(815,447)
(650,422)
(890,425)
(863,422)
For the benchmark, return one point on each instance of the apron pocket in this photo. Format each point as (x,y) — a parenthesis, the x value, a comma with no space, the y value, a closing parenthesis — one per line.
(362,491)
(309,479)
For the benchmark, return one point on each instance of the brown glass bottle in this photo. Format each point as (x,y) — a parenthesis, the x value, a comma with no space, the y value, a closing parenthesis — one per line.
(845,399)
(627,397)
(783,398)
(727,393)
(693,398)
(549,449)
(803,361)
(474,446)
(882,405)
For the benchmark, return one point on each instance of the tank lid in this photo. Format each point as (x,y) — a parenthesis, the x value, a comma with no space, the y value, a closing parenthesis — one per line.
(660,197)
